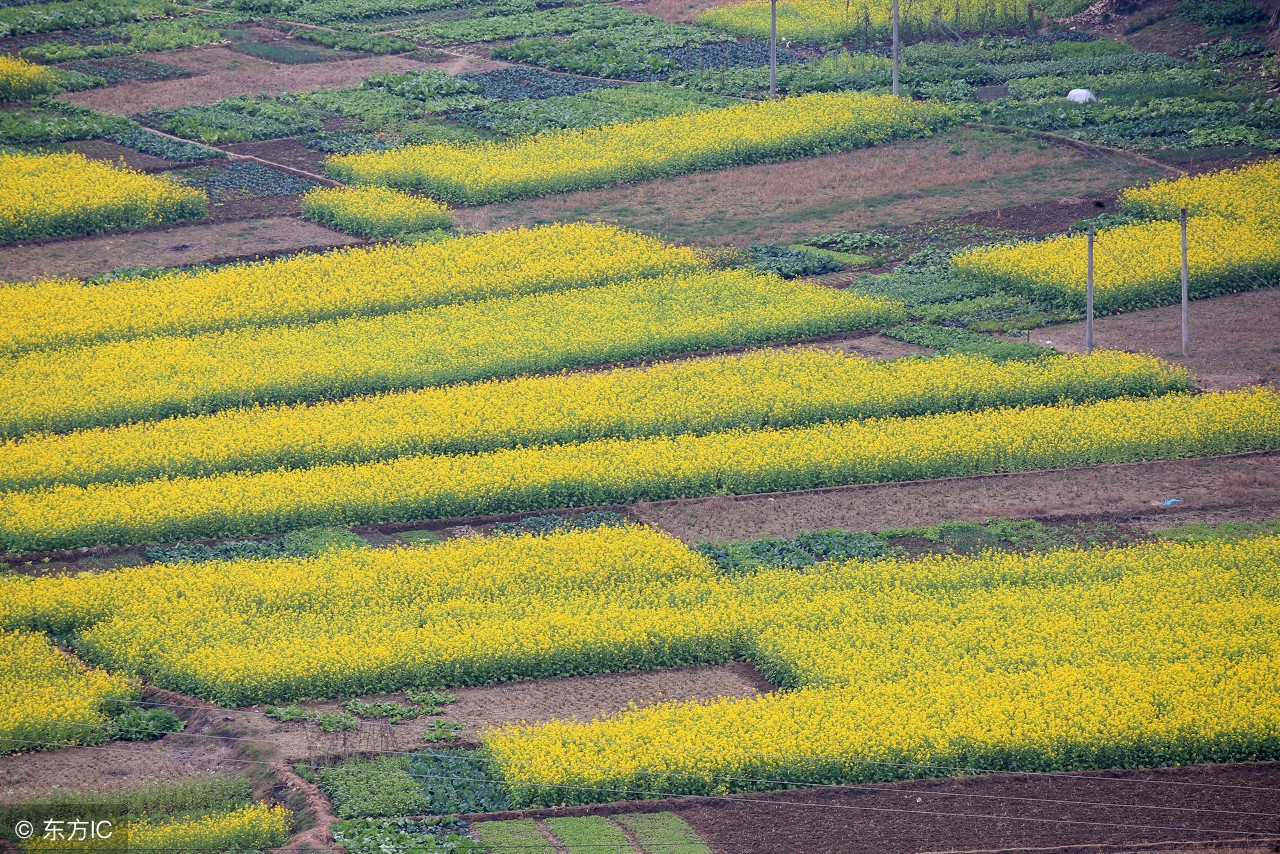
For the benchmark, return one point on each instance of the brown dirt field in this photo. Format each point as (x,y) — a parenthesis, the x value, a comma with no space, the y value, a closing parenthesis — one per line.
(118,765)
(1235,340)
(479,708)
(100,149)
(1208,806)
(1247,484)
(675,11)
(1162,809)
(221,72)
(899,184)
(286,152)
(166,247)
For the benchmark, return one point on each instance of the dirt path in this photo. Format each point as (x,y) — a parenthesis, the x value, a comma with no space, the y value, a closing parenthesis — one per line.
(220,72)
(899,184)
(170,247)
(1248,486)
(1235,340)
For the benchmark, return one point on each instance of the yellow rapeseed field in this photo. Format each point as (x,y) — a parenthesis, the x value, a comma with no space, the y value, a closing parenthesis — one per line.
(154,378)
(830,21)
(49,698)
(1250,194)
(479,173)
(249,828)
(616,470)
(335,284)
(1135,266)
(47,195)
(371,620)
(1152,655)
(1233,244)
(776,388)
(1155,654)
(20,80)
(374,211)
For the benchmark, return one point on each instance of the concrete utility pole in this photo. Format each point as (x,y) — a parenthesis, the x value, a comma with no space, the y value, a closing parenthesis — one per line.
(1186,332)
(773,48)
(1088,301)
(895,47)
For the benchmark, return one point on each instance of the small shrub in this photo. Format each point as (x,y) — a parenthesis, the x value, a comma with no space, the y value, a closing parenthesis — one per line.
(854,242)
(801,551)
(401,836)
(356,41)
(791,262)
(1221,13)
(326,721)
(951,340)
(145,725)
(372,788)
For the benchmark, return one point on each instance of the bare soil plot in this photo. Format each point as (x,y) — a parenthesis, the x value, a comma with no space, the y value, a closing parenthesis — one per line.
(168,247)
(1164,809)
(1123,493)
(479,708)
(100,149)
(1235,340)
(220,72)
(285,152)
(675,11)
(1003,812)
(118,765)
(907,182)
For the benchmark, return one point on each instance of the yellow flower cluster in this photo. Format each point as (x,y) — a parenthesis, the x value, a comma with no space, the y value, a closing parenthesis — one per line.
(344,282)
(1136,266)
(154,378)
(47,698)
(777,388)
(616,470)
(1233,244)
(1249,194)
(249,828)
(358,621)
(901,669)
(20,80)
(673,145)
(47,195)
(1011,662)
(829,21)
(374,211)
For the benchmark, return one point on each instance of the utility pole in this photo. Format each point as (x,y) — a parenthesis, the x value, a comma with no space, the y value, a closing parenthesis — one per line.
(1088,301)
(895,47)
(773,48)
(1186,332)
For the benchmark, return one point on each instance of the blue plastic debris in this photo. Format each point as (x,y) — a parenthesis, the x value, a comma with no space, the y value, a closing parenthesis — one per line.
(1172,501)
